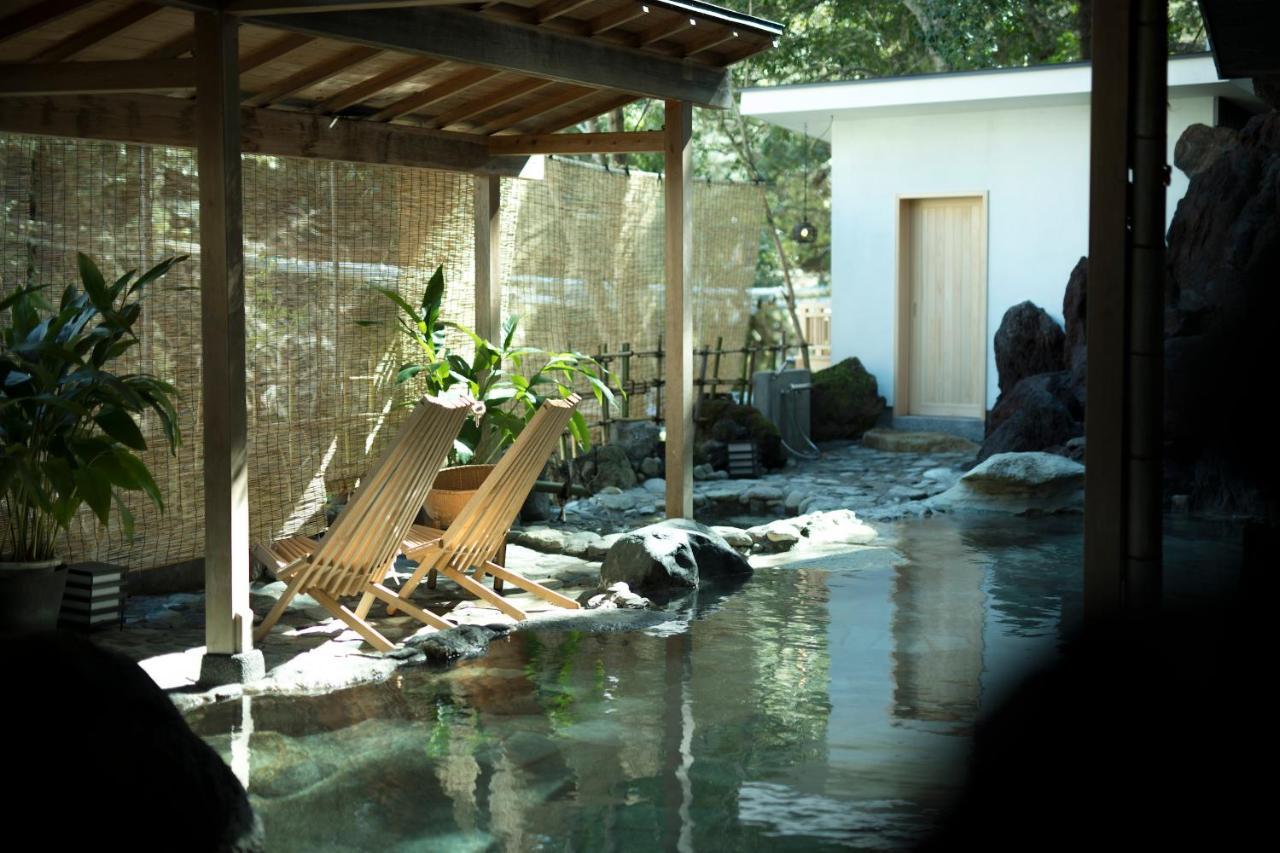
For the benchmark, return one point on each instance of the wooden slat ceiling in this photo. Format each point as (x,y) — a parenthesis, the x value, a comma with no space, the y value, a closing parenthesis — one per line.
(286,69)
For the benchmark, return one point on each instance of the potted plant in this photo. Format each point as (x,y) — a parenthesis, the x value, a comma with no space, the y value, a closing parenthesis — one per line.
(69,432)
(496,376)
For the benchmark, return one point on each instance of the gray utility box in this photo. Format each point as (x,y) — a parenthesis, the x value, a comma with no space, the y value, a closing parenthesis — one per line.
(782,396)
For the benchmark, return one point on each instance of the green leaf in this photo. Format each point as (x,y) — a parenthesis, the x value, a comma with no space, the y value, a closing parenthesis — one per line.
(509,325)
(126,518)
(96,491)
(138,470)
(408,372)
(9,300)
(94,284)
(434,295)
(118,424)
(579,430)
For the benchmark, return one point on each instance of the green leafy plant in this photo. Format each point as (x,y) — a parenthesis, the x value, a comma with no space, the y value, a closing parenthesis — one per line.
(495,375)
(68,423)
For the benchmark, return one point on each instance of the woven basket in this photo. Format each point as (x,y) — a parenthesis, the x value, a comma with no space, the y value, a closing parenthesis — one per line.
(451,490)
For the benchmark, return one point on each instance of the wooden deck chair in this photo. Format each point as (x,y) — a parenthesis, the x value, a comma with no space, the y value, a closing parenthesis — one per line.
(360,547)
(475,537)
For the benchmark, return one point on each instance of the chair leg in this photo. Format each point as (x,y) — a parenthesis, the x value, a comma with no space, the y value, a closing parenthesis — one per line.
(424,616)
(273,616)
(534,587)
(500,559)
(365,605)
(364,629)
(483,592)
(425,566)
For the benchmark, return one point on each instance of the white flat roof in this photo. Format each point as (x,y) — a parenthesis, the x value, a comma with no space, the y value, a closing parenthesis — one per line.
(814,105)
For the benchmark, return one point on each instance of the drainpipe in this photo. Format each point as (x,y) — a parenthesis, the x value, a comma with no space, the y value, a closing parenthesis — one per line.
(1145,349)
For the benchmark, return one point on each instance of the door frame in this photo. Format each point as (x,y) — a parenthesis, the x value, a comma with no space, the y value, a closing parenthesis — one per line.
(902,294)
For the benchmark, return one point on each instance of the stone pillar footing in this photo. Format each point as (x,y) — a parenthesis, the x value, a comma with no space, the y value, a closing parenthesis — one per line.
(219,669)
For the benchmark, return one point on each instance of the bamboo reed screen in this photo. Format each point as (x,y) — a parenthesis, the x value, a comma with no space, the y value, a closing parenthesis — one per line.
(582,266)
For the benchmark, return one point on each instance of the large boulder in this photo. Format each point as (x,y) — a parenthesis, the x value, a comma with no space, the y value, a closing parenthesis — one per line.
(1040,413)
(639,438)
(826,529)
(725,421)
(112,763)
(612,467)
(669,557)
(1019,483)
(845,401)
(1201,146)
(1221,304)
(1075,314)
(1028,342)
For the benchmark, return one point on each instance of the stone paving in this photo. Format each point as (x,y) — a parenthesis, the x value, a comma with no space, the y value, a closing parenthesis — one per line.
(309,651)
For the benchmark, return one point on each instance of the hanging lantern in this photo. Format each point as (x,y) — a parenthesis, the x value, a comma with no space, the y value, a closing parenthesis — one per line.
(804,232)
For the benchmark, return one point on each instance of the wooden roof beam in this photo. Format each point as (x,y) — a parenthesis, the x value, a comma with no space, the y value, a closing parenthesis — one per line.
(134,75)
(311,75)
(708,41)
(552,9)
(160,120)
(34,17)
(495,99)
(560,99)
(577,143)
(473,39)
(440,91)
(368,88)
(96,32)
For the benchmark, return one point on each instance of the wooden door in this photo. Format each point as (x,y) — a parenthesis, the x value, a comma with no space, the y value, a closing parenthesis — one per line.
(943,290)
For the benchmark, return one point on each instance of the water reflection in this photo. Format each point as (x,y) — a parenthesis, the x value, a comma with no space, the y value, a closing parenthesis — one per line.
(822,705)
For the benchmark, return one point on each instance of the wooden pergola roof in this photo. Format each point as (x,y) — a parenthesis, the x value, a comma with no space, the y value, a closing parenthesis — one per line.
(472,77)
(467,86)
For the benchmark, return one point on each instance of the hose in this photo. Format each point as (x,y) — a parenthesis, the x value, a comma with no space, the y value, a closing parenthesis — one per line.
(812,452)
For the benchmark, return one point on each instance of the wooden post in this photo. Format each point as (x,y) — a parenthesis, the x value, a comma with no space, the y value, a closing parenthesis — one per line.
(1105,527)
(678,151)
(715,369)
(624,380)
(603,360)
(228,619)
(488,265)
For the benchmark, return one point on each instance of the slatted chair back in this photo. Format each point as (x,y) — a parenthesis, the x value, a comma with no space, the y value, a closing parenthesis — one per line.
(365,537)
(480,529)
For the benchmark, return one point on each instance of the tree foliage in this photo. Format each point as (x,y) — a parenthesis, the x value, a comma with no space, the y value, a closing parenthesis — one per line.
(830,40)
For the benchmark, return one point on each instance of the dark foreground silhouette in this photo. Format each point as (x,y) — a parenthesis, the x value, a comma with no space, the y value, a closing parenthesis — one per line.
(97,757)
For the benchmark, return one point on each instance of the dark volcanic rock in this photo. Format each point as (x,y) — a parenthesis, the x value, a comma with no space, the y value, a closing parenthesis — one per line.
(1201,146)
(845,401)
(671,556)
(105,759)
(465,641)
(1040,413)
(1028,342)
(1074,305)
(1222,300)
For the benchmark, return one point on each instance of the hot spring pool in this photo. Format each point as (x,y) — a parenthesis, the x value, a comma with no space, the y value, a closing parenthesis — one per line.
(825,704)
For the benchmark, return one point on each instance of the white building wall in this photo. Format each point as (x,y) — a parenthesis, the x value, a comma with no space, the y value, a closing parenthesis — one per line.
(1034,165)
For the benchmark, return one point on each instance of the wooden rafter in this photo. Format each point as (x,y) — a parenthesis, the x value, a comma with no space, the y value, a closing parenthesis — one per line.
(440,91)
(480,105)
(302,7)
(708,41)
(368,88)
(577,143)
(173,48)
(273,50)
(98,31)
(552,9)
(566,96)
(133,75)
(34,17)
(584,114)
(472,39)
(311,75)
(607,21)
(160,120)
(665,30)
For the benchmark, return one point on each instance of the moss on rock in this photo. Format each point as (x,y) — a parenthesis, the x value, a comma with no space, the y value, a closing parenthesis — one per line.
(846,401)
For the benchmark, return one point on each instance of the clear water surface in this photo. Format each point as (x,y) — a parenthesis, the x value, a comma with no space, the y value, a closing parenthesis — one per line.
(825,704)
